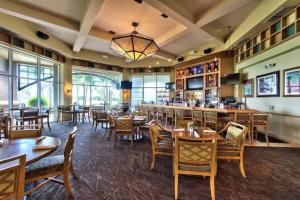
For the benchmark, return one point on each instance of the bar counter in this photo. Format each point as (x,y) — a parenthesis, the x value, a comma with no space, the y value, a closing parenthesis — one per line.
(219,110)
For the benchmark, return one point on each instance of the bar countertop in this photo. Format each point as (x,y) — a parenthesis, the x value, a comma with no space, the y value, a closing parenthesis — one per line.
(220,110)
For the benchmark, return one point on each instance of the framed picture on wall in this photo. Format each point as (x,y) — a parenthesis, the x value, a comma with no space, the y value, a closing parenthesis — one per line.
(267,85)
(248,86)
(291,82)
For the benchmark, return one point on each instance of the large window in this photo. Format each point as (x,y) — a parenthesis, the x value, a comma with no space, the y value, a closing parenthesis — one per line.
(149,88)
(95,88)
(26,79)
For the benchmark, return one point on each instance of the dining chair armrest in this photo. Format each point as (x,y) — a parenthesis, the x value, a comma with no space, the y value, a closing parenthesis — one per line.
(224,129)
(164,137)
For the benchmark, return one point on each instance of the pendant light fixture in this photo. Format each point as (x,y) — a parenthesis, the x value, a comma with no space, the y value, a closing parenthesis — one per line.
(134,45)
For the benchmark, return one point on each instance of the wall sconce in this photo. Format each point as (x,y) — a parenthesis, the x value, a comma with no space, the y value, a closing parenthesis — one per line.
(125,95)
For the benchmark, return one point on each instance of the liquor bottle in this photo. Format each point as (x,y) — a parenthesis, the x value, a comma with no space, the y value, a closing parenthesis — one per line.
(216,66)
(208,67)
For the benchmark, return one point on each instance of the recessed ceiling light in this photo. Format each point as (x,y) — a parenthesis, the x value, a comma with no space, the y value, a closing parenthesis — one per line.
(139,1)
(170,60)
(164,15)
(157,63)
(112,32)
(150,66)
(104,56)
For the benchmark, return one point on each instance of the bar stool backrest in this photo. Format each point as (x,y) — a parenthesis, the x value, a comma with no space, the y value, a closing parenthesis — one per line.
(169,112)
(197,116)
(179,113)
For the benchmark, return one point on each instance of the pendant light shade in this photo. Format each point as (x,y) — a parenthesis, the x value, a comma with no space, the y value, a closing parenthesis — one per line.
(134,46)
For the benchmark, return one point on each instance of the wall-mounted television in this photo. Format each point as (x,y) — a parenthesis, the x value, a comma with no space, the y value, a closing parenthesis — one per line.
(170,86)
(195,83)
(231,79)
(126,85)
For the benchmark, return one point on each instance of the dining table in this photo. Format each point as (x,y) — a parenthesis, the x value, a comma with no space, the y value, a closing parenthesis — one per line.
(138,121)
(34,148)
(197,133)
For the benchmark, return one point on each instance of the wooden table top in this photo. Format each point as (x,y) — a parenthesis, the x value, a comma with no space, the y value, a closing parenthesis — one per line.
(15,147)
(200,132)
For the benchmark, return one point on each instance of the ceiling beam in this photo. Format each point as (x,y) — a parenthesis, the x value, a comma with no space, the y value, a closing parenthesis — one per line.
(37,16)
(93,8)
(219,10)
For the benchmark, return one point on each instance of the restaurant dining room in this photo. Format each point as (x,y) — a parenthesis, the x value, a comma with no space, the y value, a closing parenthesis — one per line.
(150,99)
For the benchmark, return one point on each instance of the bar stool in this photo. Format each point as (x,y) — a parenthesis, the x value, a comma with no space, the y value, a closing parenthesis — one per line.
(211,119)
(179,114)
(245,120)
(197,117)
(169,115)
(261,120)
(160,114)
(151,112)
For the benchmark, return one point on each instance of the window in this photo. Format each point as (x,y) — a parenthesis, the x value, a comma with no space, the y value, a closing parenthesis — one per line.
(94,88)
(149,88)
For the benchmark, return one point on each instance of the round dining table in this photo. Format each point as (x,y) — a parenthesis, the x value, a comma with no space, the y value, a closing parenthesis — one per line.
(28,146)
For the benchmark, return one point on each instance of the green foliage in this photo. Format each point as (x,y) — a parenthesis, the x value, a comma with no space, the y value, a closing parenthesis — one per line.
(33,102)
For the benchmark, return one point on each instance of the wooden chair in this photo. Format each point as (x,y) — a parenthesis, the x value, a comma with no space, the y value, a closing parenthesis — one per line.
(101,117)
(197,117)
(112,124)
(94,116)
(195,157)
(179,115)
(211,119)
(85,110)
(12,178)
(261,120)
(4,126)
(124,126)
(25,131)
(169,115)
(151,112)
(45,115)
(50,167)
(66,115)
(245,119)
(232,148)
(160,114)
(59,113)
(161,145)
(31,116)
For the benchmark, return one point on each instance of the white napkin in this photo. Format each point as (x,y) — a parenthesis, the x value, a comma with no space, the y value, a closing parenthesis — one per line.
(43,147)
(179,129)
(209,131)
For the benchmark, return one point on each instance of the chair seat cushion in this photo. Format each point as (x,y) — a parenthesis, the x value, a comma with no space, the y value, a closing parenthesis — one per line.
(45,166)
(197,168)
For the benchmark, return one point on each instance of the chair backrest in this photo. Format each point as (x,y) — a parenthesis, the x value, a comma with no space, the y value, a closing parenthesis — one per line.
(236,134)
(197,115)
(192,151)
(124,125)
(211,118)
(33,113)
(244,118)
(261,118)
(179,113)
(154,133)
(112,120)
(183,123)
(27,131)
(65,108)
(12,178)
(100,114)
(68,151)
(4,126)
(169,112)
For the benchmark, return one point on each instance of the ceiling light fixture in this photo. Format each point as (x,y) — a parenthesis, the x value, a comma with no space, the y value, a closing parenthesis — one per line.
(134,45)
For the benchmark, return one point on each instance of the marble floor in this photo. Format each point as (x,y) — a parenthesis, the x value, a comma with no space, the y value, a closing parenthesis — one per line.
(106,172)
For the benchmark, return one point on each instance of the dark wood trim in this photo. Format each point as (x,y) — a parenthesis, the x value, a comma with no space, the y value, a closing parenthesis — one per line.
(277,73)
(284,88)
